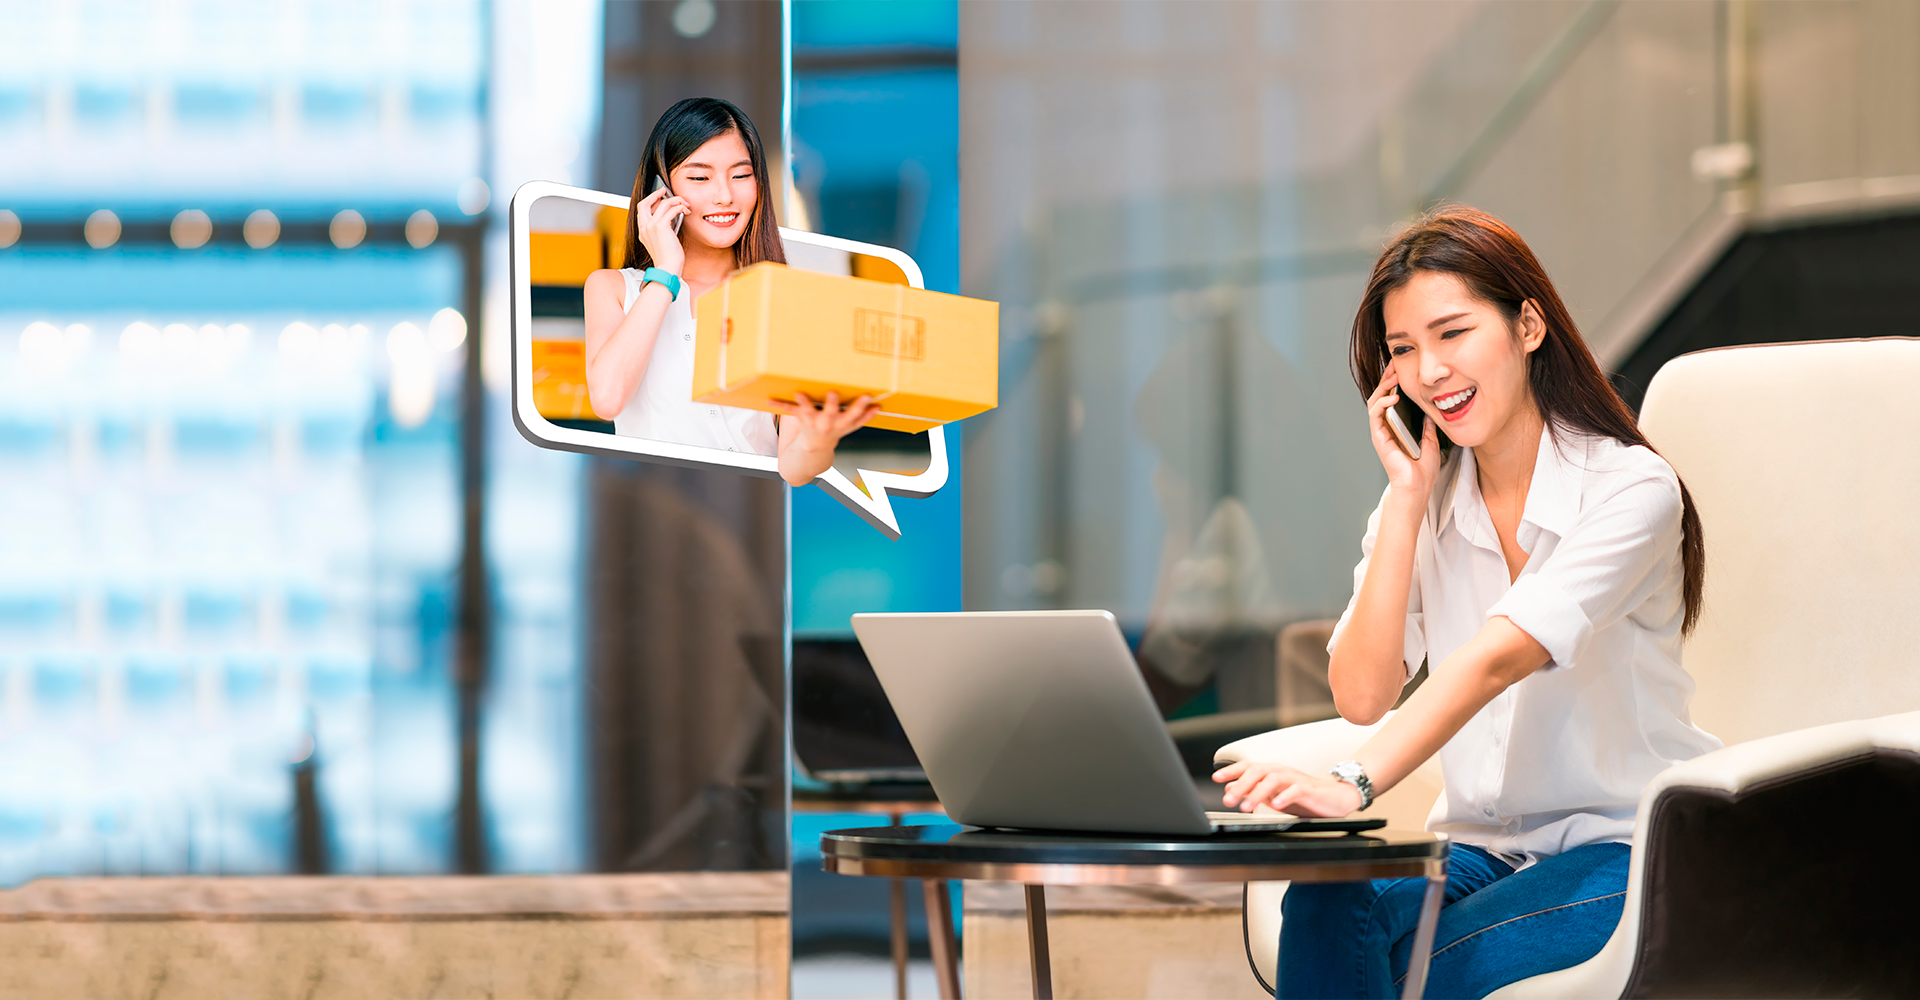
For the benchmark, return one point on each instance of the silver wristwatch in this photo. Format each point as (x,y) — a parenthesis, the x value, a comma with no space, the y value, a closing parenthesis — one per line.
(1353,774)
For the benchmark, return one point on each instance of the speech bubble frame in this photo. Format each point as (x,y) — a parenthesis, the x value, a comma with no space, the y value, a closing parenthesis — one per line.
(872,504)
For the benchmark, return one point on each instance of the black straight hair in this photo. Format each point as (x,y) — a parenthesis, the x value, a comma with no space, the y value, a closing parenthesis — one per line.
(686,127)
(1565,380)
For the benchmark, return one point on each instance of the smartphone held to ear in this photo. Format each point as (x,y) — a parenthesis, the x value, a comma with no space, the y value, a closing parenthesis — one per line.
(660,184)
(1407,430)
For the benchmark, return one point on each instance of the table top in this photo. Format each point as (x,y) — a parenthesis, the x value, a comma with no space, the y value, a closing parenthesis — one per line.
(1093,858)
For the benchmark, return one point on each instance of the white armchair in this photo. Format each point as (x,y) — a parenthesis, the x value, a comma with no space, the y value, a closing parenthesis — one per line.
(1781,865)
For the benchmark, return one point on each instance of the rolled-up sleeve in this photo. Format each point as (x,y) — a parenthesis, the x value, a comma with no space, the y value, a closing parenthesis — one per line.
(1414,641)
(1611,561)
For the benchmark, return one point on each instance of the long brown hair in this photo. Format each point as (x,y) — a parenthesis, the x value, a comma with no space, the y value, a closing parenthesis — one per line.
(686,127)
(1565,381)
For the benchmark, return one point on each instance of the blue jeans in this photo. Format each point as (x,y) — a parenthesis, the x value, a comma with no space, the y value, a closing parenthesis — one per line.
(1497,926)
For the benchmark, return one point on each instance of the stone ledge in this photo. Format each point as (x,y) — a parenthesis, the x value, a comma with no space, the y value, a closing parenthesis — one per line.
(1111,942)
(691,935)
(662,896)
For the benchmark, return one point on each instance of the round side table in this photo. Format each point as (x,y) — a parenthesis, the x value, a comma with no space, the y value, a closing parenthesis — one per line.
(1037,860)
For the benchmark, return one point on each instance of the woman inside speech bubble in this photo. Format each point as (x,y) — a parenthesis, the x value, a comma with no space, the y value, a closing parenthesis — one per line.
(1546,563)
(702,208)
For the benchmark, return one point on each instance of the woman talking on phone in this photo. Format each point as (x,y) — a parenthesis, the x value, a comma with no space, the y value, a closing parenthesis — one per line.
(1545,562)
(702,208)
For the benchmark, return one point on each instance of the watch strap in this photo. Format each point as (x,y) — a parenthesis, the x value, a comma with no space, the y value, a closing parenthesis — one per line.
(666,279)
(1351,772)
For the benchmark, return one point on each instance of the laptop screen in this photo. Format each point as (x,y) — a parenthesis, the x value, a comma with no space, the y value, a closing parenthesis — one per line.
(843,728)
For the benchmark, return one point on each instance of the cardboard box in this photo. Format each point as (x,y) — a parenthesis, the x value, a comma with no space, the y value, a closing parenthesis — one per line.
(770,331)
(560,380)
(562,258)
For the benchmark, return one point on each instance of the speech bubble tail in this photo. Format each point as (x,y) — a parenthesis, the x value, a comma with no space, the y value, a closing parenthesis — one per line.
(871,497)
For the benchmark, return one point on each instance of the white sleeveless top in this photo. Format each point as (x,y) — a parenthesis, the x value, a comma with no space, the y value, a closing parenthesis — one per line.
(662,406)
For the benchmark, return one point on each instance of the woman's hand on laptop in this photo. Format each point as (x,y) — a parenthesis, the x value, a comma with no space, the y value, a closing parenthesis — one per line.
(1252,786)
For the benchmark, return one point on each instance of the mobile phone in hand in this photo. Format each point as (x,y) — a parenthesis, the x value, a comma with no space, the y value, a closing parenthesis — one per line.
(660,184)
(1408,436)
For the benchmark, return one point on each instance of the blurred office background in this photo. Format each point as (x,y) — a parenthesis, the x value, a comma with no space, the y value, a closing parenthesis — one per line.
(249,615)
(282,589)
(1177,205)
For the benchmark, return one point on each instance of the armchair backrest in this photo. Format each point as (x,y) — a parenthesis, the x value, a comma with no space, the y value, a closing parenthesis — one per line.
(1804,462)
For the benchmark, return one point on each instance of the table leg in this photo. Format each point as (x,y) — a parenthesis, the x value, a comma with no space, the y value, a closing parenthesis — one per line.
(897,924)
(897,913)
(1423,932)
(1037,942)
(946,959)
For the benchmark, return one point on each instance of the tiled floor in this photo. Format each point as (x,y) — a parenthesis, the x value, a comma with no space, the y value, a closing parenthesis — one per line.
(858,977)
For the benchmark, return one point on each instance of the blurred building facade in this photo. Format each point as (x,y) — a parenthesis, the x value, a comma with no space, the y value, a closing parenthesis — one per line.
(251,608)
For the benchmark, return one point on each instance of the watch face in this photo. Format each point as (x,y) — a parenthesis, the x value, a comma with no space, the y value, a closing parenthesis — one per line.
(1353,774)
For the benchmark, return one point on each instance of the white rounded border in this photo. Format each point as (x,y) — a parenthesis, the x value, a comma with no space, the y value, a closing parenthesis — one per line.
(872,504)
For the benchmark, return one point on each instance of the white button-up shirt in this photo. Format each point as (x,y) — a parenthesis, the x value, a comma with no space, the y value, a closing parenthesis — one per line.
(1558,760)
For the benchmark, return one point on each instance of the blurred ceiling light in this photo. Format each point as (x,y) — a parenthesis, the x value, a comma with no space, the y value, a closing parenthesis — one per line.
(43,349)
(405,342)
(102,229)
(474,196)
(238,335)
(410,388)
(261,230)
(191,229)
(139,339)
(347,229)
(79,337)
(40,340)
(693,18)
(422,229)
(410,394)
(9,229)
(212,337)
(298,340)
(447,330)
(178,337)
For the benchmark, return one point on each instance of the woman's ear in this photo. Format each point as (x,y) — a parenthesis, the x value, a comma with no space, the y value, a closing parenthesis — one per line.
(1533,328)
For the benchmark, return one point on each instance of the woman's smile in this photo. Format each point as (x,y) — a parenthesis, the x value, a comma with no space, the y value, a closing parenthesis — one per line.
(1454,405)
(721,219)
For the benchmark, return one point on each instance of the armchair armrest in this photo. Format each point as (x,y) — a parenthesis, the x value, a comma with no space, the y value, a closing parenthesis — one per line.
(1766,868)
(1313,747)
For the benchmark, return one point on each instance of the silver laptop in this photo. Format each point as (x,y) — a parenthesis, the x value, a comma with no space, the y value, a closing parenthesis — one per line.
(1041,720)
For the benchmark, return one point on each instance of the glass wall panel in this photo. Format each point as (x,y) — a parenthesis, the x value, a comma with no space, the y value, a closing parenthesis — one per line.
(242,265)
(233,529)
(1177,207)
(875,158)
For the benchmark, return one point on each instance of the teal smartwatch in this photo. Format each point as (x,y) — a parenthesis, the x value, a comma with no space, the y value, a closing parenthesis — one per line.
(666,279)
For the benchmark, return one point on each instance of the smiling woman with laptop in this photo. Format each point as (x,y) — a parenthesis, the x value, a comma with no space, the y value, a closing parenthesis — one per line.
(1545,562)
